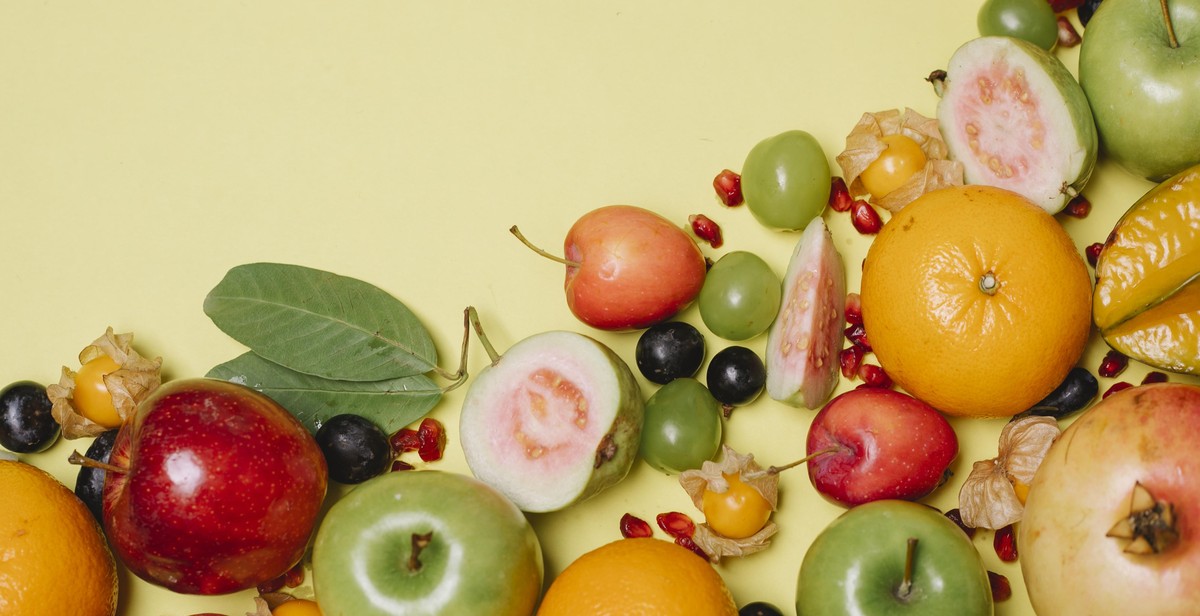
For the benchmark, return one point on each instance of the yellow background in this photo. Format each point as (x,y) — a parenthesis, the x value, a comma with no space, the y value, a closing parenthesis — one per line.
(147,147)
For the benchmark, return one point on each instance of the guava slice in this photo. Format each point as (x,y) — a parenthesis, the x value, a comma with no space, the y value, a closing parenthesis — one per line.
(554,421)
(805,339)
(1016,118)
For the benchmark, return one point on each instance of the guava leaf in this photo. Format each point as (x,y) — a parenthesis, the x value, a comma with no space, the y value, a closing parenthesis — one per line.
(391,404)
(320,323)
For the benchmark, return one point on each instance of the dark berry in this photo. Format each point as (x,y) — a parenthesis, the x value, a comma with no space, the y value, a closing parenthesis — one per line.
(1086,10)
(89,483)
(736,376)
(669,351)
(759,608)
(26,425)
(355,448)
(1075,392)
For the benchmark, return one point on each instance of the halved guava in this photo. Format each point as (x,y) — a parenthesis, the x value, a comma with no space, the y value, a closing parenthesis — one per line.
(553,421)
(804,341)
(1016,118)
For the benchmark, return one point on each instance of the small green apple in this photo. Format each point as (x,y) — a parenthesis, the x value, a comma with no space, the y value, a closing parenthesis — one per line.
(858,564)
(425,543)
(1143,89)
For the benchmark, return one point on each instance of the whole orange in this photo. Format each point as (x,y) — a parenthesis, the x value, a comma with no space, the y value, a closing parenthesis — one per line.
(976,301)
(638,577)
(53,557)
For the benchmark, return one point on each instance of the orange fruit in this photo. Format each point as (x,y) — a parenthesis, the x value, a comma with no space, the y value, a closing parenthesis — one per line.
(1147,297)
(976,301)
(638,577)
(53,556)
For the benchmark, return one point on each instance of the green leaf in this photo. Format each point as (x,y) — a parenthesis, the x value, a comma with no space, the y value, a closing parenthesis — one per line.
(391,404)
(320,323)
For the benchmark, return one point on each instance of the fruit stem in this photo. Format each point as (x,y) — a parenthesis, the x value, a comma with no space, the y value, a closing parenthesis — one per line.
(420,541)
(906,583)
(513,229)
(459,377)
(483,339)
(988,283)
(775,470)
(82,460)
(1170,27)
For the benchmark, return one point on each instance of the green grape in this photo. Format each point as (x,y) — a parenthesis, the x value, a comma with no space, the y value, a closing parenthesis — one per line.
(682,426)
(1029,20)
(786,180)
(740,296)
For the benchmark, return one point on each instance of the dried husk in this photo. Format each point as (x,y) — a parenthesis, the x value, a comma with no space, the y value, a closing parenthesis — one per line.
(863,146)
(987,498)
(261,608)
(136,379)
(711,476)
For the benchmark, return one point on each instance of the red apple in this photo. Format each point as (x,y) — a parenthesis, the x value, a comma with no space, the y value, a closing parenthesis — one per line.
(878,444)
(215,488)
(1112,518)
(629,268)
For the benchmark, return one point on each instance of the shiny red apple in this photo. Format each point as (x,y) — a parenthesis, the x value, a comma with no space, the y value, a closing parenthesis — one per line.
(215,488)
(872,444)
(629,268)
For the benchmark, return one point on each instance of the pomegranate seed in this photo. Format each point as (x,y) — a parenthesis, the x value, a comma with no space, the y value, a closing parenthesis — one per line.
(728,185)
(706,229)
(1114,363)
(404,440)
(1078,206)
(676,524)
(1005,542)
(956,516)
(1001,588)
(858,335)
(866,220)
(633,526)
(272,585)
(1093,253)
(691,545)
(839,196)
(294,576)
(850,359)
(432,435)
(854,309)
(401,465)
(1118,386)
(1068,36)
(874,376)
(1154,377)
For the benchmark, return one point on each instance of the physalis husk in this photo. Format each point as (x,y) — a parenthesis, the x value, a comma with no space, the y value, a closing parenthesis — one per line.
(134,379)
(866,142)
(711,476)
(992,496)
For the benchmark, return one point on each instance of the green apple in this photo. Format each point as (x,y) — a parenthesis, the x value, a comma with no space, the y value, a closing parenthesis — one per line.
(858,565)
(1144,90)
(424,543)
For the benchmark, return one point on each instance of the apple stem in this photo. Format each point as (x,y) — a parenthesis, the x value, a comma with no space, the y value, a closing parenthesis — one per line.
(775,470)
(82,460)
(513,229)
(483,339)
(906,583)
(1170,27)
(420,541)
